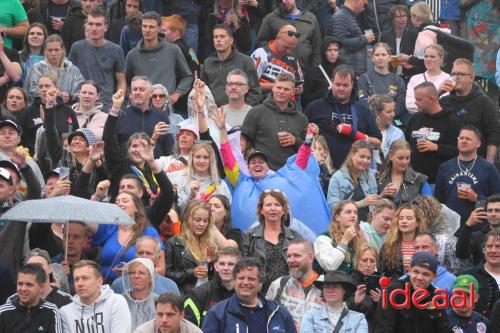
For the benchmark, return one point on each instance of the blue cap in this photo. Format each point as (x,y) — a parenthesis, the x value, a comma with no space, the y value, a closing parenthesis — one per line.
(425,260)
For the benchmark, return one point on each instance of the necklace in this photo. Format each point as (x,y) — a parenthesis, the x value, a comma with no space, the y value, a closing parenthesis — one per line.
(464,169)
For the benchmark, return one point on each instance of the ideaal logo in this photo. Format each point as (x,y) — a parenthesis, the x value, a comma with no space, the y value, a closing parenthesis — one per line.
(440,300)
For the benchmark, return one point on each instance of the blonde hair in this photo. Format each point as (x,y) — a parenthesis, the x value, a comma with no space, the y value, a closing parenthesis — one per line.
(336,233)
(396,145)
(362,249)
(321,141)
(198,246)
(348,164)
(392,244)
(423,11)
(214,173)
(436,47)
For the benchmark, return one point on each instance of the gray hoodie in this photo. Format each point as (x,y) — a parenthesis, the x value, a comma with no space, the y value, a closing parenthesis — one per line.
(109,313)
(143,310)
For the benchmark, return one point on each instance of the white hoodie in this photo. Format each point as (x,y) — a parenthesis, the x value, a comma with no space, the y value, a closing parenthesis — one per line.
(108,314)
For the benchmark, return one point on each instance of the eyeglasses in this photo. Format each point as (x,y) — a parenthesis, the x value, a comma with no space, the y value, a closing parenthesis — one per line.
(158,96)
(291,33)
(237,84)
(274,190)
(460,74)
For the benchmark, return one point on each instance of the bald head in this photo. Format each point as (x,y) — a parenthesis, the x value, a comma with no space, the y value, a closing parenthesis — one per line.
(286,39)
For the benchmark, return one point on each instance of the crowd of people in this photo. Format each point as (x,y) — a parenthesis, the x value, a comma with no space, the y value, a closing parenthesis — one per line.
(286,166)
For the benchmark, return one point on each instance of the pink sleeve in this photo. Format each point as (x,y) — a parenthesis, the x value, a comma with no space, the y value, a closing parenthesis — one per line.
(227,155)
(303,156)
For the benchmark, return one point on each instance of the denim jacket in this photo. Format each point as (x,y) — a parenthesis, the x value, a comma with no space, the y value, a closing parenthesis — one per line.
(316,321)
(341,186)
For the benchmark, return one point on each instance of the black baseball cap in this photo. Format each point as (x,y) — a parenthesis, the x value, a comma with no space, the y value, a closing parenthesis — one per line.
(11,123)
(11,166)
(257,153)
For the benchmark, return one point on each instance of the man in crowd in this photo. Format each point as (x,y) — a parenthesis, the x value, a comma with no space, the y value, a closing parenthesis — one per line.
(344,27)
(464,318)
(237,88)
(469,242)
(49,293)
(162,61)
(246,310)
(297,291)
(432,132)
(309,37)
(98,59)
(169,317)
(52,13)
(77,237)
(13,21)
(340,113)
(391,320)
(472,106)
(202,298)
(226,58)
(260,123)
(117,13)
(463,181)
(488,274)
(95,308)
(73,28)
(426,242)
(141,117)
(150,248)
(277,57)
(27,311)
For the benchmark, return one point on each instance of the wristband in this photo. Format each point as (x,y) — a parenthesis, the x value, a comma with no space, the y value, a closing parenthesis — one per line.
(308,141)
(114,111)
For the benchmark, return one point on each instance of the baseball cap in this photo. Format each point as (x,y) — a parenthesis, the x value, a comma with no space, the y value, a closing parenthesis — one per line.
(37,252)
(6,164)
(425,260)
(257,153)
(191,128)
(85,133)
(5,175)
(463,282)
(55,172)
(11,123)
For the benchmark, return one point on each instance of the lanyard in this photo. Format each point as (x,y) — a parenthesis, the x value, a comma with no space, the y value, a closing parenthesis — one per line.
(138,173)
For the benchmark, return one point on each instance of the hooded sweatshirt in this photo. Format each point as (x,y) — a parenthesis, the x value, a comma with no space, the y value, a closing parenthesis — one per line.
(94,120)
(109,313)
(263,123)
(143,310)
(441,128)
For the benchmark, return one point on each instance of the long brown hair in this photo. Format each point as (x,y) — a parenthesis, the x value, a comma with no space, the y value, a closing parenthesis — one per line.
(392,245)
(348,164)
(336,233)
(141,221)
(25,52)
(395,146)
(197,246)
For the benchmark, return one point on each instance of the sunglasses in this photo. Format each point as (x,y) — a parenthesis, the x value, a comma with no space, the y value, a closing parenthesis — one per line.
(158,96)
(293,34)
(274,190)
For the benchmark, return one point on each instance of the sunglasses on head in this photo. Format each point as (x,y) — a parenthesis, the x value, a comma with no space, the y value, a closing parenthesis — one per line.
(273,190)
(293,34)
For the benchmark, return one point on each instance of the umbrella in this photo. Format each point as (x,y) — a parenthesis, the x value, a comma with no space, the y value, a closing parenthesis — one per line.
(67,208)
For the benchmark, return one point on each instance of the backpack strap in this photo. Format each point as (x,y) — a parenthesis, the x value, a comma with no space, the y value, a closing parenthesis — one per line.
(283,282)
(340,323)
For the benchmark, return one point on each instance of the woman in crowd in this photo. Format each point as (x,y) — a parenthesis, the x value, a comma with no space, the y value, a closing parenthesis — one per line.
(336,248)
(321,154)
(160,101)
(188,255)
(269,241)
(33,117)
(316,84)
(221,212)
(89,110)
(367,294)
(398,181)
(138,280)
(380,80)
(421,17)
(433,60)
(396,253)
(68,75)
(384,108)
(354,181)
(202,180)
(401,38)
(117,242)
(32,51)
(379,220)
(14,104)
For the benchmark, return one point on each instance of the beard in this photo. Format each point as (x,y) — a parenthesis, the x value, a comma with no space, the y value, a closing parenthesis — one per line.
(299,272)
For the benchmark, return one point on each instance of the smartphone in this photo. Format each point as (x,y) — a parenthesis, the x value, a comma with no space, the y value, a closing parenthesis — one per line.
(63,172)
(481,204)
(372,282)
